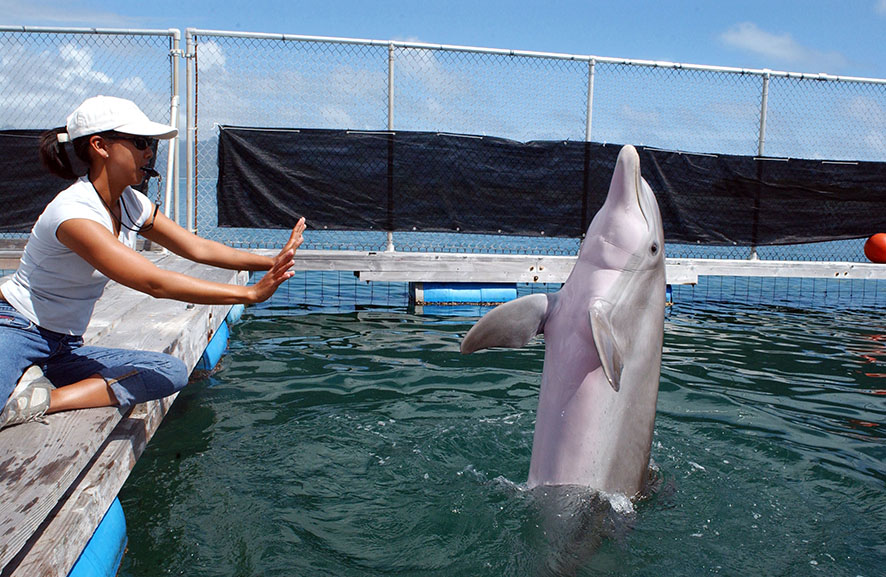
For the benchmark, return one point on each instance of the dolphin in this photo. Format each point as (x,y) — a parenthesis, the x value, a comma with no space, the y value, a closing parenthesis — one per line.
(603,334)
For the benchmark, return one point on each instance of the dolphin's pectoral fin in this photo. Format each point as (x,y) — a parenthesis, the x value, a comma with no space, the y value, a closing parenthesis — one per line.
(511,324)
(604,341)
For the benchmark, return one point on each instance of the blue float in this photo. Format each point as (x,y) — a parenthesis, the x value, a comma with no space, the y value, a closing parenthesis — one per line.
(103,553)
(468,293)
(234,314)
(217,346)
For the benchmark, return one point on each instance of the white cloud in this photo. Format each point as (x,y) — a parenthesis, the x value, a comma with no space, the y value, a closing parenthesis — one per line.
(880,7)
(45,83)
(335,116)
(413,39)
(781,49)
(210,56)
(747,36)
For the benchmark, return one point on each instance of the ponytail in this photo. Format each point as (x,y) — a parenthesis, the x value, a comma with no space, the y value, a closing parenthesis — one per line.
(55,156)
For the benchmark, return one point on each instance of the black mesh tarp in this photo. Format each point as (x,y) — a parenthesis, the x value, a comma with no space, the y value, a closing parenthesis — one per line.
(26,186)
(429,182)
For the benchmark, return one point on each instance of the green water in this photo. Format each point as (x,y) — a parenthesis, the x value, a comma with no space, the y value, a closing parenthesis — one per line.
(360,442)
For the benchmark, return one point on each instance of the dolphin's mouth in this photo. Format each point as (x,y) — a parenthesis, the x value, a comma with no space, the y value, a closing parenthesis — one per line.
(642,201)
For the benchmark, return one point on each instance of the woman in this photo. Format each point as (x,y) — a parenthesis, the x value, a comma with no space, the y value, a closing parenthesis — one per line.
(85,237)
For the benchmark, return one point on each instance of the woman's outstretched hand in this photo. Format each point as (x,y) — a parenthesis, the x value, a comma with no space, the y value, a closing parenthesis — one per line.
(296,238)
(279,271)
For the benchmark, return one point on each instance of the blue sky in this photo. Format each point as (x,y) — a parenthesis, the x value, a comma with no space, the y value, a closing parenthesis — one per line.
(846,37)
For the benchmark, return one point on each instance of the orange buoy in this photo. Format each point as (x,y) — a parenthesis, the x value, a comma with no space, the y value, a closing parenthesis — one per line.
(875,248)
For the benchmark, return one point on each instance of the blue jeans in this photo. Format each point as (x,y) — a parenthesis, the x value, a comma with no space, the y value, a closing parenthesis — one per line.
(134,376)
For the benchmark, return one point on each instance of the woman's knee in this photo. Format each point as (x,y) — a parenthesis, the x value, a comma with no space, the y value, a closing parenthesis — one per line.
(152,376)
(178,373)
(170,369)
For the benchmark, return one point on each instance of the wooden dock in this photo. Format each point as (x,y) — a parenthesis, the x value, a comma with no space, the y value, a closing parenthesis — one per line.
(59,479)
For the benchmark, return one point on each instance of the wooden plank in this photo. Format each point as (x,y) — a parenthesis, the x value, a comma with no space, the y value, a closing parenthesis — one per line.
(40,464)
(507,268)
(56,546)
(490,268)
(439,267)
(9,259)
(55,487)
(11,251)
(781,269)
(117,304)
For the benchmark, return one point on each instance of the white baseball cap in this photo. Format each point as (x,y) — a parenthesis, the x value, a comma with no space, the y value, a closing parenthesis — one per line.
(103,113)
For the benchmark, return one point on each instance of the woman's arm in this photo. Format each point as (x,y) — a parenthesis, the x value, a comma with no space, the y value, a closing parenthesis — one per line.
(167,233)
(95,244)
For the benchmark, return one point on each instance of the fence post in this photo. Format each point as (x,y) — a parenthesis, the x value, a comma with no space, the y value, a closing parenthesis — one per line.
(190,143)
(764,106)
(172,188)
(390,244)
(592,65)
(761,146)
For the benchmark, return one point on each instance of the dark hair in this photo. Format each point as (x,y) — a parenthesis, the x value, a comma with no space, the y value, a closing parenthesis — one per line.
(55,157)
(54,154)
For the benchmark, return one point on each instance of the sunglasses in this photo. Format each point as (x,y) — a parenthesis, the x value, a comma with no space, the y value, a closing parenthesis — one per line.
(139,142)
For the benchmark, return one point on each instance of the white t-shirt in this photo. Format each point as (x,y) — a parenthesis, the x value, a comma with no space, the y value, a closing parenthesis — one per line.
(55,288)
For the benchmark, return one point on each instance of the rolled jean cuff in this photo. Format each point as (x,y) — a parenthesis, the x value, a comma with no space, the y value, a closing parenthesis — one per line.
(136,384)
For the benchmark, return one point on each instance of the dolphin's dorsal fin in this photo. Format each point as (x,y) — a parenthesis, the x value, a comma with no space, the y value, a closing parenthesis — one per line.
(604,340)
(511,324)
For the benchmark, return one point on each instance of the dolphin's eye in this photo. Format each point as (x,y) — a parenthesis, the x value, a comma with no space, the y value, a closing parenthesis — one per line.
(654,248)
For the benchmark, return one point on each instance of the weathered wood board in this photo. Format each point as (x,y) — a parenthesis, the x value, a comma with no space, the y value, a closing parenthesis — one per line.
(517,268)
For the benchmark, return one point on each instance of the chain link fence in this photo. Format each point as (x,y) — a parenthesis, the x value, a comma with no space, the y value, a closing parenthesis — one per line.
(46,73)
(279,81)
